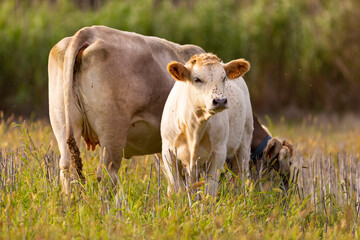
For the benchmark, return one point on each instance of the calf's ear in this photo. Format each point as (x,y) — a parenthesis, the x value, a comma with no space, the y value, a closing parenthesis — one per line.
(178,71)
(236,68)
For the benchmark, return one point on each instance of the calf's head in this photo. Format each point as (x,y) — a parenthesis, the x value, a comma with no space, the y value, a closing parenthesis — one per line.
(205,76)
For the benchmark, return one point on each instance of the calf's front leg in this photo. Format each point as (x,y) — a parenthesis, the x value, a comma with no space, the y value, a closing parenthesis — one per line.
(217,161)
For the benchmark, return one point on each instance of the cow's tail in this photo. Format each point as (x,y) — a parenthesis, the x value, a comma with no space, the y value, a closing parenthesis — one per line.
(72,61)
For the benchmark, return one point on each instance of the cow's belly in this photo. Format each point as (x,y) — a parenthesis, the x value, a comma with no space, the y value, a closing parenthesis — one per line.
(143,138)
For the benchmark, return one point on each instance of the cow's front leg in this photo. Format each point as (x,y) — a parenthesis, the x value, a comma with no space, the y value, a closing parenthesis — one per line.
(217,161)
(110,160)
(170,171)
(112,142)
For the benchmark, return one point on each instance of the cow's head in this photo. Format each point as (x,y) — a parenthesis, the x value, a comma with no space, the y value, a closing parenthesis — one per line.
(278,155)
(206,75)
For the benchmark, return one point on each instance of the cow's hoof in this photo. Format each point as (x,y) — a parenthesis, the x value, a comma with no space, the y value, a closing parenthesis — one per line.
(65,181)
(211,187)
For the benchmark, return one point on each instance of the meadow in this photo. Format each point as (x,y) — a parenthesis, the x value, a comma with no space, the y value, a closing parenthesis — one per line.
(303,59)
(323,203)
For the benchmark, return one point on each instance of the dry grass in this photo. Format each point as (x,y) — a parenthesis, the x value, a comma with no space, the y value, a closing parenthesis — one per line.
(323,203)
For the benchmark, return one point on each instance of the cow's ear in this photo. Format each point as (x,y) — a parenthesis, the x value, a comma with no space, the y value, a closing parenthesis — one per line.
(178,71)
(236,68)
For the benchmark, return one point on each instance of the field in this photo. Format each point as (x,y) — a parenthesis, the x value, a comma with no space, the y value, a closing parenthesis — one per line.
(303,59)
(322,204)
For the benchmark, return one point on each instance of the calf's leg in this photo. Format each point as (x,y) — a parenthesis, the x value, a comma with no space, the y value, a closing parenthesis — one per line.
(217,161)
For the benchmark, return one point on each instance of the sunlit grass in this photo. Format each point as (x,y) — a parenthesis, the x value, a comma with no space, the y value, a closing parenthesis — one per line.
(32,205)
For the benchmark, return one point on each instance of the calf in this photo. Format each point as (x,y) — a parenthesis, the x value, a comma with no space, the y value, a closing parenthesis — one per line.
(196,128)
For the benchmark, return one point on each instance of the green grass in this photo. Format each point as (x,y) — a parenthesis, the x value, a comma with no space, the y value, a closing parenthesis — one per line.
(32,205)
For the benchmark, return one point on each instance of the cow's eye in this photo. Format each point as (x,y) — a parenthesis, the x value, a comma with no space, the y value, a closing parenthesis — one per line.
(197,80)
(224,79)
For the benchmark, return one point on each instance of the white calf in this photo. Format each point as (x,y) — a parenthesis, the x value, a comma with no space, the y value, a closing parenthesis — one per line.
(195,125)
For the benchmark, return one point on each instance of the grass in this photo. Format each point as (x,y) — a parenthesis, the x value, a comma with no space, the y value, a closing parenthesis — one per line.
(33,207)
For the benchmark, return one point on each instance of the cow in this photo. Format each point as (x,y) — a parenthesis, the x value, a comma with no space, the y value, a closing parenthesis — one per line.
(277,155)
(109,87)
(206,119)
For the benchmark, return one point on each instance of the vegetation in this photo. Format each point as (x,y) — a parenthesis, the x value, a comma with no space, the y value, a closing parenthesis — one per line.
(303,53)
(33,207)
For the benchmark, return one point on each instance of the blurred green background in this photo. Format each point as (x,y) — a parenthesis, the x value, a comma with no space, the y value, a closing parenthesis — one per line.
(305,54)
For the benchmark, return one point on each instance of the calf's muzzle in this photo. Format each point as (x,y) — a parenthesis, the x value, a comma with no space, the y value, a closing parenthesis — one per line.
(219,103)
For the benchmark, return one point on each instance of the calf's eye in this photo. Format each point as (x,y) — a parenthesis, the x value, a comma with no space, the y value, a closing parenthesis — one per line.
(224,79)
(197,80)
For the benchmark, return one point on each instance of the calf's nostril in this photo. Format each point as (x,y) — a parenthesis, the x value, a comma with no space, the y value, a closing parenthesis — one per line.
(215,102)
(221,100)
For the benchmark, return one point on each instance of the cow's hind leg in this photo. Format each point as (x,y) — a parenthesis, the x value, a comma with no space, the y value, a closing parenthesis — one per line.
(65,159)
